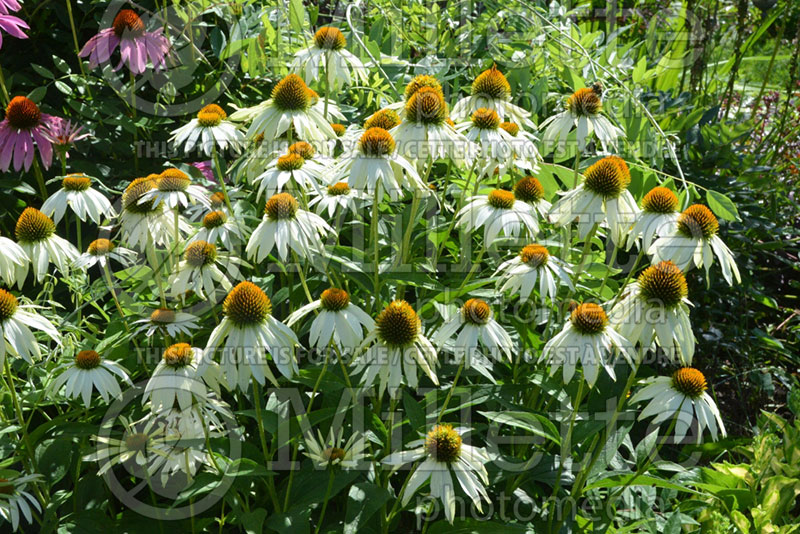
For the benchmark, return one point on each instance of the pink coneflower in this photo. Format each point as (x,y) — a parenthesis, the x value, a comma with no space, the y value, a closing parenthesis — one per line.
(63,134)
(205,168)
(136,45)
(11,25)
(8,6)
(24,128)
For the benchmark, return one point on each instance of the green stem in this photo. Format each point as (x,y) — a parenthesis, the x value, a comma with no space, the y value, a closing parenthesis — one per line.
(450,392)
(220,176)
(325,501)
(6,98)
(628,278)
(375,245)
(37,171)
(264,449)
(566,447)
(608,274)
(75,42)
(151,252)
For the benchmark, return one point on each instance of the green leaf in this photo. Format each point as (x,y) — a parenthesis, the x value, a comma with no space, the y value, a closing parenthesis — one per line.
(617,481)
(532,422)
(296,15)
(722,206)
(42,71)
(415,412)
(476,526)
(363,500)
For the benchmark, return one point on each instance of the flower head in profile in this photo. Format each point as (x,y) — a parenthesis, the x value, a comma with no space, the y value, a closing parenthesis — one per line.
(136,45)
(588,338)
(496,144)
(248,331)
(293,105)
(480,340)
(287,227)
(84,200)
(174,188)
(602,197)
(337,197)
(377,167)
(208,130)
(15,501)
(177,379)
(338,320)
(425,132)
(395,349)
(444,455)
(655,308)
(658,216)
(36,235)
(218,227)
(23,131)
(491,90)
(500,214)
(583,110)
(533,264)
(682,396)
(399,108)
(101,251)
(289,171)
(12,258)
(141,220)
(204,270)
(334,451)
(168,322)
(16,322)
(694,240)
(87,372)
(64,134)
(328,59)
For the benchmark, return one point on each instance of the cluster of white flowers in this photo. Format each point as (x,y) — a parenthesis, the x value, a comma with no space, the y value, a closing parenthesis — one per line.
(339,171)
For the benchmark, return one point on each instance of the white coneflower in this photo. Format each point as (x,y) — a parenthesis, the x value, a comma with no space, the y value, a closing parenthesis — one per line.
(683,395)
(491,90)
(586,337)
(656,308)
(169,322)
(530,191)
(218,226)
(384,118)
(87,372)
(336,197)
(378,163)
(658,216)
(12,258)
(694,240)
(496,144)
(445,454)
(395,348)
(15,501)
(583,111)
(142,446)
(291,105)
(477,327)
(425,132)
(36,235)
(333,452)
(176,379)
(338,319)
(199,271)
(208,129)
(328,54)
(498,213)
(77,193)
(174,188)
(248,331)
(603,196)
(15,328)
(286,227)
(289,170)
(533,263)
(526,154)
(142,221)
(416,83)
(100,251)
